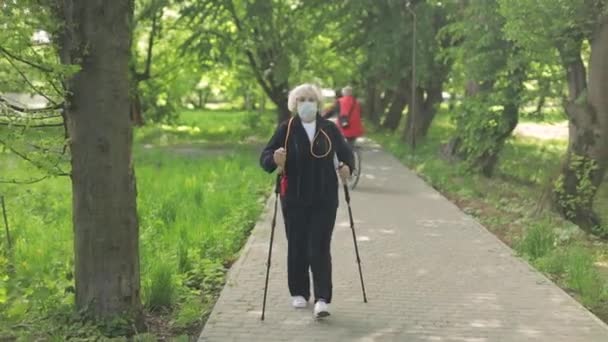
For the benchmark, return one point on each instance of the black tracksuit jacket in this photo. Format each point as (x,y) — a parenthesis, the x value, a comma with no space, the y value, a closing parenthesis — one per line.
(311,181)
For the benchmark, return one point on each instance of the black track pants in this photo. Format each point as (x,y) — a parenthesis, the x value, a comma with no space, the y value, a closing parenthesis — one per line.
(309,231)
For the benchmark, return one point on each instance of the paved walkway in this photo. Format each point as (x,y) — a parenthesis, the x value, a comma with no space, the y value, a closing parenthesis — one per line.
(432,274)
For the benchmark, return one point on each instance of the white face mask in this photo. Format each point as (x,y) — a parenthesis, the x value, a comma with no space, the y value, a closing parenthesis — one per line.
(307,110)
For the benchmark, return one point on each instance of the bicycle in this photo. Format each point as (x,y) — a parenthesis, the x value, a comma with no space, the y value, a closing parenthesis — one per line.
(356,174)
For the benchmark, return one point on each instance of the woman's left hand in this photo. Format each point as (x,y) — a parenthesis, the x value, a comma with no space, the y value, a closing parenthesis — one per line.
(344,172)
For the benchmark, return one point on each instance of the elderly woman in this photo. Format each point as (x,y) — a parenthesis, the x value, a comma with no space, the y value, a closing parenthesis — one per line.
(308,150)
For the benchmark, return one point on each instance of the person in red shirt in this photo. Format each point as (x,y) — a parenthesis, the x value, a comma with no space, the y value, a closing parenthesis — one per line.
(349,118)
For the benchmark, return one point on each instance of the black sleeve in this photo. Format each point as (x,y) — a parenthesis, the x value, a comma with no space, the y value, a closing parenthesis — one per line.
(343,150)
(277,141)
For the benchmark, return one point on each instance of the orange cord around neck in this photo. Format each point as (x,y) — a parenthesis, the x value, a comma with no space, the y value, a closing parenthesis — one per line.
(311,143)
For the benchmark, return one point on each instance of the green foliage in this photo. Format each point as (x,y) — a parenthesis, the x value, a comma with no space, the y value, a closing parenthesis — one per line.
(482,126)
(378,36)
(478,43)
(171,75)
(554,263)
(194,221)
(574,266)
(189,313)
(583,277)
(159,287)
(28,62)
(29,65)
(582,169)
(543,26)
(192,224)
(280,42)
(537,242)
(144,338)
(494,72)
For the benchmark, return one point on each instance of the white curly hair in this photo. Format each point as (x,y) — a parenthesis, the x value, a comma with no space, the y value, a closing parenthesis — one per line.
(347,91)
(304,90)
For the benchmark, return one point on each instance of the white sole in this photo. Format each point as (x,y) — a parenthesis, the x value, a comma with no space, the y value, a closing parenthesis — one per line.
(301,305)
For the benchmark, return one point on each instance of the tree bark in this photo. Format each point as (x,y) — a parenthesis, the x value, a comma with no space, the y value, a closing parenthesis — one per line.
(415,117)
(398,103)
(372,99)
(279,97)
(136,112)
(422,116)
(434,98)
(508,121)
(489,158)
(428,94)
(587,157)
(97,35)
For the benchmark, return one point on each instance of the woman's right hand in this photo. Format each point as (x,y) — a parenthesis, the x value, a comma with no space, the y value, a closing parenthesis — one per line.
(279,157)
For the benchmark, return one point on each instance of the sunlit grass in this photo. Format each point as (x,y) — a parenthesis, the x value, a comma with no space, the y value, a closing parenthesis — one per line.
(195,209)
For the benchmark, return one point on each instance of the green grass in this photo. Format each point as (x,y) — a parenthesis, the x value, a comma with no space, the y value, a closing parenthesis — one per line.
(538,241)
(198,197)
(550,114)
(197,126)
(508,205)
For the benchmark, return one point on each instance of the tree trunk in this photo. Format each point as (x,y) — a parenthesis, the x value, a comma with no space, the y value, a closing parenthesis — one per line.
(136,111)
(136,114)
(97,34)
(395,112)
(451,150)
(423,115)
(372,100)
(508,121)
(398,103)
(279,97)
(415,117)
(489,158)
(434,98)
(587,156)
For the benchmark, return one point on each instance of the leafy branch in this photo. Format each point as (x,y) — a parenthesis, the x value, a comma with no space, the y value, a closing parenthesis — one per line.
(10,56)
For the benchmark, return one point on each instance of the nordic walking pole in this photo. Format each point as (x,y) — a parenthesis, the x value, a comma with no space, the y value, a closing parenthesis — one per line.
(274,223)
(352,228)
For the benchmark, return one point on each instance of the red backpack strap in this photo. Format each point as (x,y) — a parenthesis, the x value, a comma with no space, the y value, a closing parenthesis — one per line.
(283,182)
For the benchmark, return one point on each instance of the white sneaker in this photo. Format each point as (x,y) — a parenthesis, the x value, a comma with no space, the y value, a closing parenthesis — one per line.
(299,302)
(321,309)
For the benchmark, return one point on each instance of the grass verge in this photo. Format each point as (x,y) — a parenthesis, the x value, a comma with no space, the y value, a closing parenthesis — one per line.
(200,192)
